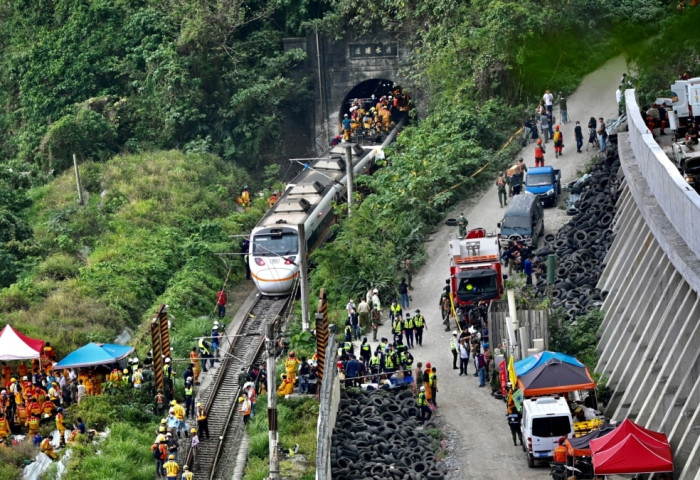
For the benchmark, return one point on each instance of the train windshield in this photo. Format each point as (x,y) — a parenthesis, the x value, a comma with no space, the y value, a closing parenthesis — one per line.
(273,244)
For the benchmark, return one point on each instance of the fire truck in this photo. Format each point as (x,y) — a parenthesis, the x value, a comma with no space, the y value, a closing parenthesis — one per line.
(475,268)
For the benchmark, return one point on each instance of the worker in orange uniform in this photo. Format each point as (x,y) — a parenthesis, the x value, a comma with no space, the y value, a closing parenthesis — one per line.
(560,451)
(244,401)
(194,359)
(22,370)
(49,352)
(46,447)
(171,468)
(89,385)
(244,199)
(48,408)
(4,427)
(290,366)
(539,153)
(286,388)
(33,406)
(6,375)
(61,426)
(272,199)
(33,425)
(21,414)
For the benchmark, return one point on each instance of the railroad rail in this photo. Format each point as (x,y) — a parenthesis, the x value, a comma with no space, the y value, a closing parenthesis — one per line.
(225,425)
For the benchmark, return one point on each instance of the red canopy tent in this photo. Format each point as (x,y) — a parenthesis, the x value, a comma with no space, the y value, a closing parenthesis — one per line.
(16,346)
(631,449)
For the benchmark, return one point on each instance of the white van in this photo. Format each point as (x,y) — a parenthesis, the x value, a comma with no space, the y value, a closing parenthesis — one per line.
(545,420)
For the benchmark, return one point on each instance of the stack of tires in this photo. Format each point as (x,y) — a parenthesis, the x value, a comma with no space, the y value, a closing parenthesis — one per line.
(581,245)
(375,438)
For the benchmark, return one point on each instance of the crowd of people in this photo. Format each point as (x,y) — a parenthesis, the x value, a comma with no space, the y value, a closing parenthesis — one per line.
(371,116)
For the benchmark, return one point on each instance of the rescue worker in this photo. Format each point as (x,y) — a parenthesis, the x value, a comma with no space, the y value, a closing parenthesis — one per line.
(202,422)
(244,199)
(426,382)
(462,223)
(137,378)
(204,352)
(558,143)
(186,474)
(159,402)
(419,324)
(6,375)
(4,427)
(46,448)
(194,360)
(346,127)
(432,378)
(171,468)
(514,424)
(61,426)
(33,425)
(189,398)
(244,408)
(394,310)
(365,351)
(290,366)
(160,453)
(179,412)
(559,453)
(49,352)
(445,305)
(539,154)
(286,388)
(425,412)
(194,447)
(397,329)
(375,367)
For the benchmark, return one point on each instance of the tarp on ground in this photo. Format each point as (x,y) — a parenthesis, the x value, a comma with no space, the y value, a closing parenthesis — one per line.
(630,455)
(526,364)
(16,346)
(94,354)
(553,377)
(580,447)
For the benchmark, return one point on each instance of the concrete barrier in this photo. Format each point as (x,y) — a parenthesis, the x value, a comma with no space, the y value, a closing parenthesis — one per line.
(650,338)
(328,410)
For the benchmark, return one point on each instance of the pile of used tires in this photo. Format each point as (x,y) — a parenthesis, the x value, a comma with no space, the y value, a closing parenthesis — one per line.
(375,438)
(581,245)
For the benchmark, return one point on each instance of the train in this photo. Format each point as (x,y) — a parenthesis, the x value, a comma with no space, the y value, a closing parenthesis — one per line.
(274,245)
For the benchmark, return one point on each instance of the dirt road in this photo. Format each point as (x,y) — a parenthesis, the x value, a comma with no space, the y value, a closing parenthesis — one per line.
(480,445)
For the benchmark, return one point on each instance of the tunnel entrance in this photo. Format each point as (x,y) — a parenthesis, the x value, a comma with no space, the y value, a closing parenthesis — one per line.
(364,91)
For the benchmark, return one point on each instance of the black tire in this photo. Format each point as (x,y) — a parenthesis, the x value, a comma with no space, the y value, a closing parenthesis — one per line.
(530,461)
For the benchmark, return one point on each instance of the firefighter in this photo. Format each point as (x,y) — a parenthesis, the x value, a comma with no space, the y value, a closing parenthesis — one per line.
(46,448)
(61,426)
(558,143)
(290,366)
(4,427)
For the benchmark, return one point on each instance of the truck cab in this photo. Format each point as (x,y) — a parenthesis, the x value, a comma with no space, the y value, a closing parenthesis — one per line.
(475,268)
(545,182)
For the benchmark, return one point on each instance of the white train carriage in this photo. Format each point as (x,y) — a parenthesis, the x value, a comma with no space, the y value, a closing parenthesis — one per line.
(308,200)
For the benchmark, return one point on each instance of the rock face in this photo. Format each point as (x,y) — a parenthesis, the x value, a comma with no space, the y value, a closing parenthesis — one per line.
(376,437)
(581,245)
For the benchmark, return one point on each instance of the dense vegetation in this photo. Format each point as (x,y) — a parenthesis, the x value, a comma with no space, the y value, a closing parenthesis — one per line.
(170,107)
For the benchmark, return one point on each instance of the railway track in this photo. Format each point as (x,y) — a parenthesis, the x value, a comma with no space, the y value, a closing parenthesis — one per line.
(215,456)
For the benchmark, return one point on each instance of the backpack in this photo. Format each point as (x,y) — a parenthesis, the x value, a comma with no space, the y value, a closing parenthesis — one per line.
(156,451)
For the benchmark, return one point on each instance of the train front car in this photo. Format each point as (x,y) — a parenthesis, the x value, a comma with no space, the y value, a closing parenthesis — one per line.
(274,254)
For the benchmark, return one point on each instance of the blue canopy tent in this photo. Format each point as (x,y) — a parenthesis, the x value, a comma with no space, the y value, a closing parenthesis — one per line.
(94,354)
(527,364)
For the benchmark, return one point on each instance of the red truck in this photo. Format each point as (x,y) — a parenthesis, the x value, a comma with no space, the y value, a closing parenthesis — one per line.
(475,268)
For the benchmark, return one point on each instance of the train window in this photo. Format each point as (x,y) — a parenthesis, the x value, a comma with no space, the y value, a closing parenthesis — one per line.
(272,245)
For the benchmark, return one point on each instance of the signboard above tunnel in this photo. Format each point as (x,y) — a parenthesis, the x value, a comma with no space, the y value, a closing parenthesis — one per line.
(375,49)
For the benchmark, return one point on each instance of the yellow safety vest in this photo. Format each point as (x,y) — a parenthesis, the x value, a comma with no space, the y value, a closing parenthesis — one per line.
(422,400)
(189,391)
(419,321)
(171,468)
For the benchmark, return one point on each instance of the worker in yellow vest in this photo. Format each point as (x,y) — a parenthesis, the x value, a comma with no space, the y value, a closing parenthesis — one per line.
(171,468)
(186,474)
(61,425)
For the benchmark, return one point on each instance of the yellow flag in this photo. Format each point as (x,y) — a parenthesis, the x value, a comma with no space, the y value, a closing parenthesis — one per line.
(511,372)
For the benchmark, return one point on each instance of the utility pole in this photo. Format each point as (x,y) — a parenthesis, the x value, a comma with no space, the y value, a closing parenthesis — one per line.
(304,279)
(350,175)
(271,348)
(77,180)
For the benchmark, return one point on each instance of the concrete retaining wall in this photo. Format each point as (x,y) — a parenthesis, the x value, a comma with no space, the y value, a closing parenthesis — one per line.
(650,339)
(328,411)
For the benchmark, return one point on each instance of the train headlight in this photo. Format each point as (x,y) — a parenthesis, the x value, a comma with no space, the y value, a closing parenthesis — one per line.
(259,262)
(289,260)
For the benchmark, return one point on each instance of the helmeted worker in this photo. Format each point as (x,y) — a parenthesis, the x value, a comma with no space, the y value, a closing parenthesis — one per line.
(539,154)
(189,398)
(4,426)
(46,447)
(194,360)
(179,412)
(171,468)
(186,474)
(204,352)
(61,425)
(202,423)
(290,366)
(286,388)
(558,142)
(559,452)
(425,412)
